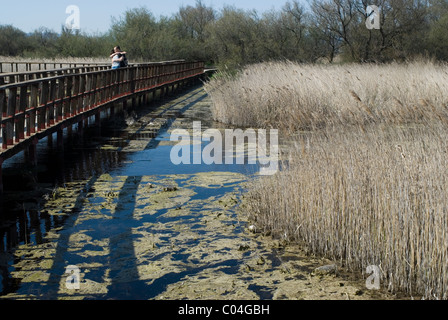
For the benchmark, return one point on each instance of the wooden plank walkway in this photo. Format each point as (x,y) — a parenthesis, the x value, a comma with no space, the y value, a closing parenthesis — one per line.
(33,108)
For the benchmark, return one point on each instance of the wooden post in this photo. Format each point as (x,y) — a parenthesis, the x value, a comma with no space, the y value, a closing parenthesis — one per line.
(31,125)
(3,110)
(32,153)
(112,109)
(1,175)
(98,118)
(82,89)
(11,109)
(23,106)
(42,111)
(81,128)
(60,97)
(93,92)
(125,104)
(89,97)
(74,100)
(50,141)
(60,138)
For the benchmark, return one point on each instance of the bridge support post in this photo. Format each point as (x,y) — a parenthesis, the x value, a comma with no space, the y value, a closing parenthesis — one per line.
(98,119)
(1,175)
(81,128)
(60,141)
(50,141)
(112,109)
(31,153)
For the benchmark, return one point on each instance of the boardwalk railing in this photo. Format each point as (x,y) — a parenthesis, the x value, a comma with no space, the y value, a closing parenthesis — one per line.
(33,109)
(15,77)
(39,66)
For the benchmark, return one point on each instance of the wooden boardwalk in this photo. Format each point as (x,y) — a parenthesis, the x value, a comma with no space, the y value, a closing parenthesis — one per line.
(35,105)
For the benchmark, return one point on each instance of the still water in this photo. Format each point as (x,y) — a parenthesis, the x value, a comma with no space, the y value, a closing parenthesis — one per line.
(113,205)
(110,217)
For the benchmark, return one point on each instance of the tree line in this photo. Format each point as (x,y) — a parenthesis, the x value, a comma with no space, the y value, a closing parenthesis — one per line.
(322,30)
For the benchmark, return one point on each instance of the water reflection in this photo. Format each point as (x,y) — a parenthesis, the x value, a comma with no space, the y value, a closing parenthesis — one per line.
(23,221)
(120,153)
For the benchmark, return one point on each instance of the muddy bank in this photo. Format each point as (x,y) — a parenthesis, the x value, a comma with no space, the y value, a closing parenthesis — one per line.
(139,227)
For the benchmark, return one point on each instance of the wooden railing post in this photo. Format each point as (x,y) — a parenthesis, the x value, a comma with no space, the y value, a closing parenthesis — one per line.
(1,174)
(42,110)
(31,126)
(60,99)
(82,90)
(51,107)
(68,94)
(20,119)
(10,115)
(75,96)
(3,111)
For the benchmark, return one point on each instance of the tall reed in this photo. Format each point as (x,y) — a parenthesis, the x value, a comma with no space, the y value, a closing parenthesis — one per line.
(366,181)
(295,97)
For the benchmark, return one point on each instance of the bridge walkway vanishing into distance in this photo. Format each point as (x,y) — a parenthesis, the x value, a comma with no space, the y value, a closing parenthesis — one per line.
(35,105)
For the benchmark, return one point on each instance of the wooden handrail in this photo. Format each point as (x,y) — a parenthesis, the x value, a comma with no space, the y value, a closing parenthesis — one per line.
(12,66)
(14,77)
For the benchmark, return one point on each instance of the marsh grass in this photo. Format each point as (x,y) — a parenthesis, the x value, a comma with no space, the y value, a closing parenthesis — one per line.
(367,178)
(295,97)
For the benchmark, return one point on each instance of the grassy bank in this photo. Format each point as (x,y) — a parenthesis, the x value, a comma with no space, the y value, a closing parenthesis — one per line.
(367,178)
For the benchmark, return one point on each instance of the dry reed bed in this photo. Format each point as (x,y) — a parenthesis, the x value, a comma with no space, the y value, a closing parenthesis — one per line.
(368,185)
(302,97)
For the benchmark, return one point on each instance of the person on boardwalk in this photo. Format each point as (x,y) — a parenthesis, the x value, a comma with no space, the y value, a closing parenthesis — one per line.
(119,59)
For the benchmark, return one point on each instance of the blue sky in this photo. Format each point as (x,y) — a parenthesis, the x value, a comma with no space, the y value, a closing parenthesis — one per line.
(95,15)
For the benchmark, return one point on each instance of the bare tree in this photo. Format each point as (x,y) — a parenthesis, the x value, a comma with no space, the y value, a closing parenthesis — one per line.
(194,20)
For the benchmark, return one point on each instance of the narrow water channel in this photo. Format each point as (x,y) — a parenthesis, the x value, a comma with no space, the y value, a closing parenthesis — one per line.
(135,226)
